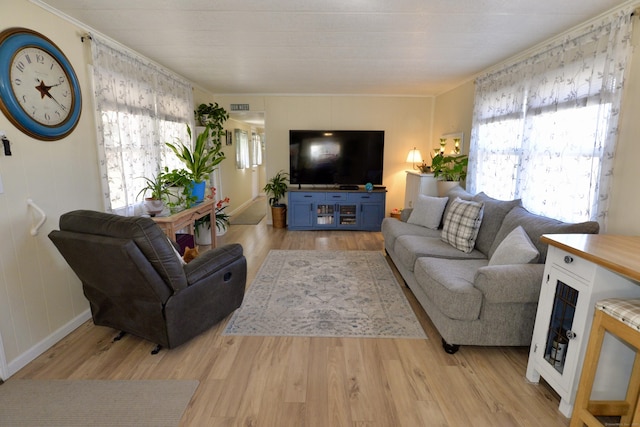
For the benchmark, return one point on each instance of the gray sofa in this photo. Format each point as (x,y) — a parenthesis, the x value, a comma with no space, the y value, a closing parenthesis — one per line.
(469,300)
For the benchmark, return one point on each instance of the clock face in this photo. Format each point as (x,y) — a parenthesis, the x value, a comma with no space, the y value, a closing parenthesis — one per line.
(39,91)
(41,86)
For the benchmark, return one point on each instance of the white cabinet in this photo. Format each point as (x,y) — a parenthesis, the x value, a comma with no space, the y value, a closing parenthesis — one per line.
(419,183)
(573,282)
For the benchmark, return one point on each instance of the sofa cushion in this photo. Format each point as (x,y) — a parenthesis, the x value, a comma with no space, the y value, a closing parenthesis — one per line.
(536,226)
(449,284)
(392,229)
(428,211)
(409,248)
(461,224)
(494,212)
(516,248)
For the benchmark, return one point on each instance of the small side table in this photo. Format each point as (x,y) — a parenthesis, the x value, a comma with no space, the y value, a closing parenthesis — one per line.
(395,215)
(186,218)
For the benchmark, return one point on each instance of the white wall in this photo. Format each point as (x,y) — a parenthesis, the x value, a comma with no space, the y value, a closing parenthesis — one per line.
(405,120)
(40,299)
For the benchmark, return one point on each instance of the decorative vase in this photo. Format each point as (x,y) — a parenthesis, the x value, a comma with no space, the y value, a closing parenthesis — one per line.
(445,186)
(198,190)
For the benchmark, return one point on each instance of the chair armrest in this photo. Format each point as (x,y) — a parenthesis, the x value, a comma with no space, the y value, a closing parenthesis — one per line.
(514,283)
(211,261)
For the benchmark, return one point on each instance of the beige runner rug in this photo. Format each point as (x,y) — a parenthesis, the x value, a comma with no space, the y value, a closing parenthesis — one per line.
(70,403)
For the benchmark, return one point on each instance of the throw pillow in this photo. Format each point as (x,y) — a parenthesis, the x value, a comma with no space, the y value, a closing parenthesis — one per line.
(176,252)
(516,248)
(461,224)
(427,211)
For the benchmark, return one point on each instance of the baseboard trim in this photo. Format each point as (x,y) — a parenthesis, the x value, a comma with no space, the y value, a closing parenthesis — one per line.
(28,356)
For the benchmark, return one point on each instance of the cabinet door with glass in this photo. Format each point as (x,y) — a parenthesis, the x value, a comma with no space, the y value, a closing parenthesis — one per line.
(325,215)
(559,332)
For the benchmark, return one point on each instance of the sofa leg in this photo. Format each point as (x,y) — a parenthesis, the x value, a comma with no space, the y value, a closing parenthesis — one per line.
(156,349)
(120,335)
(450,348)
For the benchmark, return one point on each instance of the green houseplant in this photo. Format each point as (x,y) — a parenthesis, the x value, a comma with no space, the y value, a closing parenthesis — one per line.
(157,194)
(449,171)
(275,189)
(201,160)
(179,188)
(213,116)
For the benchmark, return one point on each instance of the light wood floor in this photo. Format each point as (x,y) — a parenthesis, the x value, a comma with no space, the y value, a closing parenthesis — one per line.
(324,382)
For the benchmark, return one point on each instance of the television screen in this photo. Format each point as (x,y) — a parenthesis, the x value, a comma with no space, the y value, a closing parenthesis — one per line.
(345,157)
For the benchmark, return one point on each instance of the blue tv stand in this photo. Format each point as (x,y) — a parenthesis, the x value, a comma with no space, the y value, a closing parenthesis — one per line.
(335,209)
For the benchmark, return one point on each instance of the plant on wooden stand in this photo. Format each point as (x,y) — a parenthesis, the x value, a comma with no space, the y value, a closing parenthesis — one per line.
(277,187)
(158,194)
(201,160)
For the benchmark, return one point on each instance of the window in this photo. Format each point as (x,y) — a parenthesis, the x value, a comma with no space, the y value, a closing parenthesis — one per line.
(242,149)
(545,128)
(139,108)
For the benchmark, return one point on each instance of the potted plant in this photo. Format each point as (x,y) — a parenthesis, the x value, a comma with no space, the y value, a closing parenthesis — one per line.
(449,171)
(199,161)
(179,189)
(213,116)
(203,225)
(158,192)
(276,188)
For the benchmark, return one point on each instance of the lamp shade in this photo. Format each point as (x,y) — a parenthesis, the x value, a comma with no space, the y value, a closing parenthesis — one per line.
(414,156)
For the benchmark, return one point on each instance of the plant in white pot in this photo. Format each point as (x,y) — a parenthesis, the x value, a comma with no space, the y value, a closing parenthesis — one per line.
(199,161)
(156,193)
(276,187)
(203,225)
(449,171)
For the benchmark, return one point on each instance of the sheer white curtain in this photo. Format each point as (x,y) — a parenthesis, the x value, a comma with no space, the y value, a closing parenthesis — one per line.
(545,128)
(139,107)
(242,149)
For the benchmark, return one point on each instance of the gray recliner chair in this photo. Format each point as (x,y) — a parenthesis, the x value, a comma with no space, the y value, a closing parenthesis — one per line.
(135,281)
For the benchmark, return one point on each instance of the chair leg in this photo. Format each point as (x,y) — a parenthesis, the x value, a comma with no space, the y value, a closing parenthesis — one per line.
(119,336)
(590,364)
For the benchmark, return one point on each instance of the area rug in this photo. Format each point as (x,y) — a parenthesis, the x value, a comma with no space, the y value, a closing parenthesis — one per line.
(84,403)
(325,294)
(252,215)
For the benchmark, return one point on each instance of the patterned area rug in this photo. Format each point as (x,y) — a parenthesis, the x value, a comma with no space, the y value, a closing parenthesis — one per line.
(325,294)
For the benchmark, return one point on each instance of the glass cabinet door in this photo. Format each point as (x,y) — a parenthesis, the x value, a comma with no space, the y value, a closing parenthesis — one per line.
(348,215)
(560,325)
(325,214)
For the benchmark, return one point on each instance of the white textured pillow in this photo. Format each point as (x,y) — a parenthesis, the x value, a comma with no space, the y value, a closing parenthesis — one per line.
(176,252)
(461,224)
(516,248)
(427,211)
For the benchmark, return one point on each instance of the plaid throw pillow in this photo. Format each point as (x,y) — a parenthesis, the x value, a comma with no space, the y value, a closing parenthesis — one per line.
(461,224)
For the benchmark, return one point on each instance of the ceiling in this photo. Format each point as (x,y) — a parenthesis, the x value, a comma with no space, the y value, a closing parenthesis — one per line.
(373,47)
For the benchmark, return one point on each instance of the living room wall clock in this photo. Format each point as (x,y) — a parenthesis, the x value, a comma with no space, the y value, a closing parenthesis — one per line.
(39,90)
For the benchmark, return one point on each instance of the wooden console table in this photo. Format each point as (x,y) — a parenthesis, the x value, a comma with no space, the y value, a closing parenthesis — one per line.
(186,218)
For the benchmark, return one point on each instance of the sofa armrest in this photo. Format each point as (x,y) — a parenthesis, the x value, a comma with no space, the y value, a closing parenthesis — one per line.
(514,283)
(211,261)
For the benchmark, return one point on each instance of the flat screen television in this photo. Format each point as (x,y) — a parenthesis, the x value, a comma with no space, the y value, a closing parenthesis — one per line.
(343,157)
